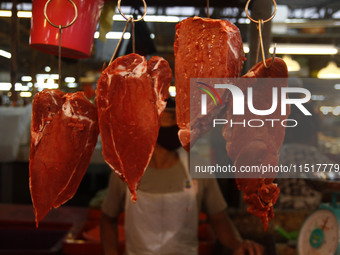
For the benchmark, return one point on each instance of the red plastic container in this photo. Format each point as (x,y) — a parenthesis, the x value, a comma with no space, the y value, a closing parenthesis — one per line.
(77,40)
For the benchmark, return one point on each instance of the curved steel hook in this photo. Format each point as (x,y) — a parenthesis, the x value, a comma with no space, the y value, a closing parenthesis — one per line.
(133,20)
(60,26)
(257,21)
(259,24)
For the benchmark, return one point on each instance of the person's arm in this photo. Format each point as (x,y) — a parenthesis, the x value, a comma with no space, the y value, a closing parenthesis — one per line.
(225,230)
(228,235)
(109,234)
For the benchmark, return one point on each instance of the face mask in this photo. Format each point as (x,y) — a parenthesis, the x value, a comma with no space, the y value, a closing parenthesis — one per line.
(168,138)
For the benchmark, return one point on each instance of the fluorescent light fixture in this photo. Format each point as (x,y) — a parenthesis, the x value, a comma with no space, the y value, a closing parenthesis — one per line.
(24,14)
(42,86)
(318,97)
(20,87)
(305,49)
(5,54)
(117,35)
(70,79)
(244,21)
(114,35)
(26,78)
(5,86)
(21,14)
(46,81)
(72,85)
(172,91)
(337,86)
(25,94)
(4,13)
(150,18)
(45,76)
(161,18)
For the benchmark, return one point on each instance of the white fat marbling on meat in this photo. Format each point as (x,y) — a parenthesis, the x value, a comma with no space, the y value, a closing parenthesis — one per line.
(137,72)
(68,112)
(156,66)
(232,49)
(250,75)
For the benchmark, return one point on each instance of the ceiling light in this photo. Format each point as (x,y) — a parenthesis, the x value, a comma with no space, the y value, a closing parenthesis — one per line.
(304,49)
(42,86)
(24,14)
(25,94)
(318,97)
(326,109)
(150,18)
(5,54)
(70,79)
(172,91)
(161,18)
(4,13)
(337,86)
(113,35)
(5,86)
(336,111)
(117,35)
(21,14)
(72,85)
(331,71)
(246,48)
(292,65)
(26,78)
(20,87)
(47,69)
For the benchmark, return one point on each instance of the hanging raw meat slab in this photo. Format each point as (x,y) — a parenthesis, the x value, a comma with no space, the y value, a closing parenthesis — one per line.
(249,146)
(130,98)
(64,132)
(204,48)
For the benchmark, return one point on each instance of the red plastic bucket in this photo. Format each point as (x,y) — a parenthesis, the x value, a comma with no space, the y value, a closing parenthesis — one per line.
(77,40)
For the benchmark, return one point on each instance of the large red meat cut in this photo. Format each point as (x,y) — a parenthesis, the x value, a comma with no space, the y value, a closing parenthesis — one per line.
(204,48)
(256,146)
(64,132)
(131,97)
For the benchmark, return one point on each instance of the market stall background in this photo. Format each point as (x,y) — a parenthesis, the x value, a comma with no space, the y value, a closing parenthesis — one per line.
(301,30)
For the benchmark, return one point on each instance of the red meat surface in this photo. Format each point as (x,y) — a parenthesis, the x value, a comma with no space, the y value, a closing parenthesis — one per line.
(204,48)
(249,146)
(130,98)
(64,132)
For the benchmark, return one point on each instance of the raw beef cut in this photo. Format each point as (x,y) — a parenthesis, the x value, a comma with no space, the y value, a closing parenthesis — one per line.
(258,146)
(130,99)
(64,132)
(204,48)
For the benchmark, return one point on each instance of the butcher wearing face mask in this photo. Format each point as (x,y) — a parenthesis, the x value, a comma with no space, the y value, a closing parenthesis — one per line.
(164,219)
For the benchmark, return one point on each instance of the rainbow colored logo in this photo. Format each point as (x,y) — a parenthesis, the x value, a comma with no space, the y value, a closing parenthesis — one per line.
(209,93)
